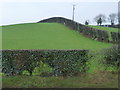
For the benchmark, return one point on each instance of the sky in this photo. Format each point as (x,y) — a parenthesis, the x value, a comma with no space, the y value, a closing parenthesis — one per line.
(24,11)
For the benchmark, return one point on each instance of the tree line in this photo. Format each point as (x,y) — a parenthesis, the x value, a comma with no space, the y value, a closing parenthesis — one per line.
(99,19)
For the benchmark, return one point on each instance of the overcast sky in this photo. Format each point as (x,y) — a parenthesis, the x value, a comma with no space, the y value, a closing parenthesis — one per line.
(16,12)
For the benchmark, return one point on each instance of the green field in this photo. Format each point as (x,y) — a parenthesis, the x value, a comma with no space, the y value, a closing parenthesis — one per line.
(110,29)
(46,36)
(57,36)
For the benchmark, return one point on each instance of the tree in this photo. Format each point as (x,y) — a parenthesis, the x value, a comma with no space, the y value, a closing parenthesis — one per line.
(100,19)
(112,18)
(87,22)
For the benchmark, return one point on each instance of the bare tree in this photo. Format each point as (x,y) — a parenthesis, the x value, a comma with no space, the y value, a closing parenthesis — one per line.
(112,18)
(100,19)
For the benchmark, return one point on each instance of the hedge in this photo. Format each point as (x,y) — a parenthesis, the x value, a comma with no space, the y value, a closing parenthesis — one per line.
(115,37)
(112,56)
(87,31)
(63,62)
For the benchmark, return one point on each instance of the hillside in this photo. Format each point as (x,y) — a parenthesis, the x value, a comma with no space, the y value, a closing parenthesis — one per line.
(46,36)
(110,29)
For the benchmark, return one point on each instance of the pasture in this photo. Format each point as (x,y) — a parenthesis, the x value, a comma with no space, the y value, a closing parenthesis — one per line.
(57,36)
(46,36)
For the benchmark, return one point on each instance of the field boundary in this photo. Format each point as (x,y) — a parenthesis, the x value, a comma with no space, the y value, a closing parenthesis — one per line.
(14,62)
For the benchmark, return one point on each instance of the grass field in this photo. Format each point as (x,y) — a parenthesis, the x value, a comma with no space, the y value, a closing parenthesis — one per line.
(46,36)
(110,29)
(56,36)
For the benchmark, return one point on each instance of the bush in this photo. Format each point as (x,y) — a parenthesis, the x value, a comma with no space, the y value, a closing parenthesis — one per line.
(62,62)
(115,37)
(67,62)
(112,57)
(42,69)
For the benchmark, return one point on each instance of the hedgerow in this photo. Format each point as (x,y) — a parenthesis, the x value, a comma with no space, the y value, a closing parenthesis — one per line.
(62,62)
(115,37)
(112,57)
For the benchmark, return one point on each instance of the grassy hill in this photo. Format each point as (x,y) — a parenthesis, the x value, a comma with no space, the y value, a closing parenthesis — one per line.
(110,29)
(46,36)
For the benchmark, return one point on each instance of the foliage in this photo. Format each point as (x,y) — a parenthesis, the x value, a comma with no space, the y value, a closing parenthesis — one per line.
(115,37)
(112,56)
(43,70)
(62,62)
(68,63)
(87,22)
(100,18)
(25,72)
(99,21)
(113,33)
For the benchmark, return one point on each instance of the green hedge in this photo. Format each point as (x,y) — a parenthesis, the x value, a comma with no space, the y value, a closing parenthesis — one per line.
(115,37)
(63,62)
(112,56)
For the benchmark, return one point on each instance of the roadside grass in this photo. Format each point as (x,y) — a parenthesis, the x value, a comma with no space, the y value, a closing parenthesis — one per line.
(96,80)
(46,36)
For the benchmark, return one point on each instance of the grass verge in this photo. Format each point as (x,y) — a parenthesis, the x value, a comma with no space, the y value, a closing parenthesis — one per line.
(96,80)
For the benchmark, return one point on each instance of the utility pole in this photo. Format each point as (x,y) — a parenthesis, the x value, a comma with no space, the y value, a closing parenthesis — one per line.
(119,12)
(73,12)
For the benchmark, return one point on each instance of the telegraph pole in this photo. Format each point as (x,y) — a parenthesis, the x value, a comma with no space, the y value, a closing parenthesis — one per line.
(73,12)
(119,12)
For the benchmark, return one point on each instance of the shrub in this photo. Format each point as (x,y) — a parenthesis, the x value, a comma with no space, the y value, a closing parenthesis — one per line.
(115,37)
(112,56)
(67,63)
(62,62)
